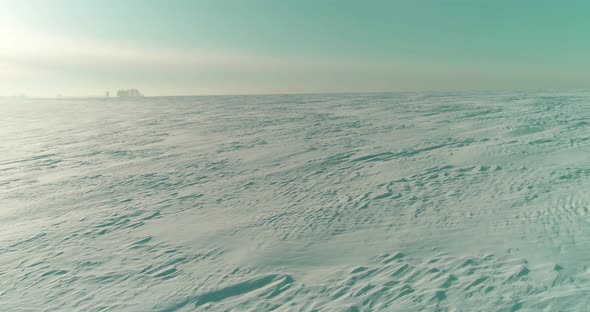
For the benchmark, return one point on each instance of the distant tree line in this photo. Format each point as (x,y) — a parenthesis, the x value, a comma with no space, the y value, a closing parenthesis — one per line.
(129,93)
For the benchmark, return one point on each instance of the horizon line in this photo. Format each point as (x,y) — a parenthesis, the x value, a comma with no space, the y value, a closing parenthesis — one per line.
(24,96)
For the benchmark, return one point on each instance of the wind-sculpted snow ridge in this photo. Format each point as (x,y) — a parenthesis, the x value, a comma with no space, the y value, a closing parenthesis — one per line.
(395,282)
(358,202)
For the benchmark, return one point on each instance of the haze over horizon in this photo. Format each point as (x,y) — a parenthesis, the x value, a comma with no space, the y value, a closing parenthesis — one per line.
(84,48)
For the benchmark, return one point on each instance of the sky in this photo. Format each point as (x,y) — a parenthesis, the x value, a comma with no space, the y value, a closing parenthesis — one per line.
(193,47)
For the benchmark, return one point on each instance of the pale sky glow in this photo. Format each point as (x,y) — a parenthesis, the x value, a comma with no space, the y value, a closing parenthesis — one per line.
(28,55)
(29,47)
(83,48)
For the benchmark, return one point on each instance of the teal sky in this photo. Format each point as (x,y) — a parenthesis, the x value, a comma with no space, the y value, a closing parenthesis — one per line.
(84,47)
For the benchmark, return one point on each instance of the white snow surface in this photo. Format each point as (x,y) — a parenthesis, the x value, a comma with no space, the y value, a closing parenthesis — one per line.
(327,202)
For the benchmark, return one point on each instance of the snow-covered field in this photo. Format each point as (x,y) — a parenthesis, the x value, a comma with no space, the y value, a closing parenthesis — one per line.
(358,202)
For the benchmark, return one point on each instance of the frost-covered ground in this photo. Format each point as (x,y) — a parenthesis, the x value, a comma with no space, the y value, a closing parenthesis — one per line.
(394,202)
